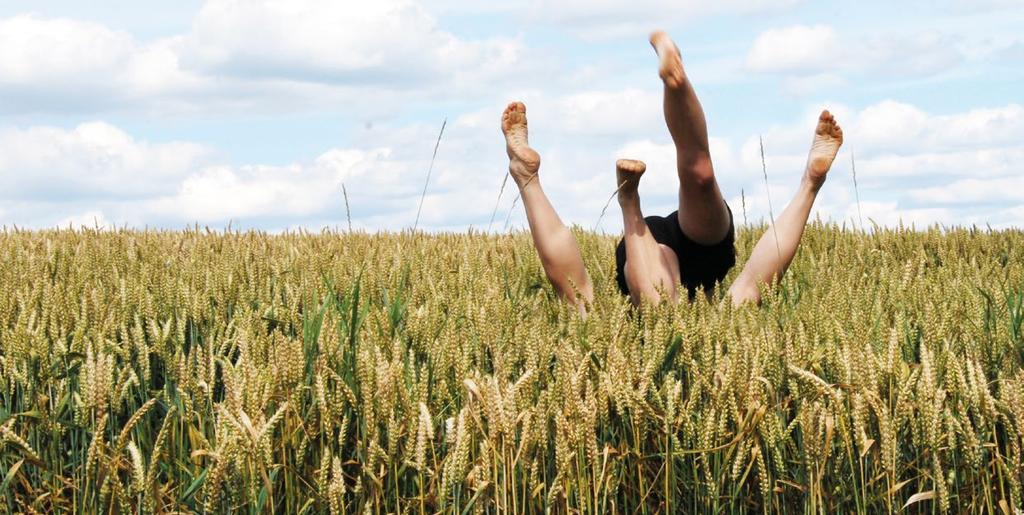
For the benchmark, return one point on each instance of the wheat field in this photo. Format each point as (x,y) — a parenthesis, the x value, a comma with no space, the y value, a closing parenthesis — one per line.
(211,372)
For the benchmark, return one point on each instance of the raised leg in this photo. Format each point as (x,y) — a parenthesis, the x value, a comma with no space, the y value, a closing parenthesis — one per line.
(703,216)
(772,256)
(555,243)
(649,266)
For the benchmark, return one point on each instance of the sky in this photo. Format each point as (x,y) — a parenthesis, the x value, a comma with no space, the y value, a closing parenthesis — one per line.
(270,114)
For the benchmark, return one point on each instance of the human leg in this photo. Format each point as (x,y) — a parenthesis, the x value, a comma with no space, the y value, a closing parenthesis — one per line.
(555,243)
(649,266)
(777,247)
(703,216)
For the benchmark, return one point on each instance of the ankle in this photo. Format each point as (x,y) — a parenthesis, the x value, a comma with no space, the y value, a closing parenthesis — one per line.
(527,184)
(628,197)
(812,184)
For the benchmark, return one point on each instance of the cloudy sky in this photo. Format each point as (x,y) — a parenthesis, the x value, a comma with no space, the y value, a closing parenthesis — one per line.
(257,112)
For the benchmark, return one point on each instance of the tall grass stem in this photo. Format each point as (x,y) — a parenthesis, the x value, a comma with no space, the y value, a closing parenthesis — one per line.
(429,170)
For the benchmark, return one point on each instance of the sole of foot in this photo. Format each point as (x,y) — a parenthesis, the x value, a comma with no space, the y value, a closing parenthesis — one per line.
(670,63)
(524,162)
(828,137)
(627,174)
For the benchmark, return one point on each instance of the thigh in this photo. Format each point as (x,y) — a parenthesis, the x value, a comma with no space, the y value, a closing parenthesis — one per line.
(658,265)
(703,215)
(659,276)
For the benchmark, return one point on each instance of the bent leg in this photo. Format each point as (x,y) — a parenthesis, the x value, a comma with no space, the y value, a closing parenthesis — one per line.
(555,243)
(772,255)
(649,266)
(702,213)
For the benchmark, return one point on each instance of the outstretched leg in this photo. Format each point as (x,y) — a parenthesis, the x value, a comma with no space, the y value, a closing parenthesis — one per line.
(555,243)
(649,265)
(703,216)
(772,256)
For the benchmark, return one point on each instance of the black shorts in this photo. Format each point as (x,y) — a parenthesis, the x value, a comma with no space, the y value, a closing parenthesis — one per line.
(700,266)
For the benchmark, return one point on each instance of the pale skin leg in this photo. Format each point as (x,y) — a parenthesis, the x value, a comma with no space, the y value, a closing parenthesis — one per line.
(772,256)
(555,243)
(649,266)
(703,216)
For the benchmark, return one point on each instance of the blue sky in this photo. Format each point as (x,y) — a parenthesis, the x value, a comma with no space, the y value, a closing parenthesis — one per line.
(256,112)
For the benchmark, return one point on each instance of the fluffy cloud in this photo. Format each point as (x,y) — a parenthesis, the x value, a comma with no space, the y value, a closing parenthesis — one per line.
(1000,190)
(612,113)
(91,161)
(812,57)
(945,171)
(391,43)
(97,173)
(89,219)
(245,55)
(911,164)
(35,50)
(58,64)
(891,214)
(260,57)
(598,19)
(799,48)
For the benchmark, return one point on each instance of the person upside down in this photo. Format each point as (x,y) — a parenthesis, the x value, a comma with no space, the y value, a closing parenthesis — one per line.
(692,248)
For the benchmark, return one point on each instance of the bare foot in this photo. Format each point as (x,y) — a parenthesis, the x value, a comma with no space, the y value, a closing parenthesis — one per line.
(670,67)
(627,176)
(523,160)
(828,137)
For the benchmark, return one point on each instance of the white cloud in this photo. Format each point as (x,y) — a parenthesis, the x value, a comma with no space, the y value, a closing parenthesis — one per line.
(59,64)
(249,55)
(901,128)
(889,214)
(577,170)
(945,171)
(912,165)
(620,112)
(89,219)
(53,176)
(221,193)
(1012,218)
(803,85)
(973,191)
(814,58)
(912,54)
(799,48)
(390,43)
(600,19)
(93,160)
(894,139)
(38,51)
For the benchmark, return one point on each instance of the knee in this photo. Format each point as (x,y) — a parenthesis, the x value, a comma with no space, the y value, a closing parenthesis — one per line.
(698,171)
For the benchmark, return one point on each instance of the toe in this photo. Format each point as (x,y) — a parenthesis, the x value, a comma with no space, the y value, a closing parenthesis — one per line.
(824,115)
